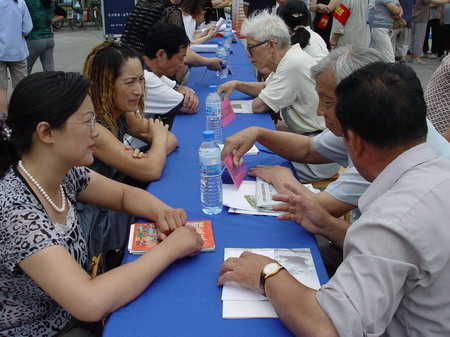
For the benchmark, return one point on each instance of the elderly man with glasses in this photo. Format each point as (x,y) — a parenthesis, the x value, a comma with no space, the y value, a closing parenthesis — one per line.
(289,89)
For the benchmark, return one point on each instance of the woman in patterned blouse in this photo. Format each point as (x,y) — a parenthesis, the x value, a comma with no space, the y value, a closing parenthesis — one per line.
(44,289)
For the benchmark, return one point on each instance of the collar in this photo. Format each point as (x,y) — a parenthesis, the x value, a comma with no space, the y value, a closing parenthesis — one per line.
(390,175)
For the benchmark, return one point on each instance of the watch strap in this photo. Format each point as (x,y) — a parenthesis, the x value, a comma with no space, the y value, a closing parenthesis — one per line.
(263,278)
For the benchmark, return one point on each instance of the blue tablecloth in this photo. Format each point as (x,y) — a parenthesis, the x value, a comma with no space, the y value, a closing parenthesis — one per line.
(184,300)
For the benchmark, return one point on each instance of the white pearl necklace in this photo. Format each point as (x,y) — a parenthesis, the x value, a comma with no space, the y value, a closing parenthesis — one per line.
(46,196)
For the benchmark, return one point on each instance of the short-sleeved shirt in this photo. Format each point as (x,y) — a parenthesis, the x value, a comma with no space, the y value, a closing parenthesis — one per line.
(42,19)
(316,48)
(350,185)
(291,90)
(189,25)
(396,269)
(15,22)
(421,11)
(160,95)
(382,17)
(355,29)
(25,228)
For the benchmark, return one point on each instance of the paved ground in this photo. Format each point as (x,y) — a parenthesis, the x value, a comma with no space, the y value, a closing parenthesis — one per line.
(72,47)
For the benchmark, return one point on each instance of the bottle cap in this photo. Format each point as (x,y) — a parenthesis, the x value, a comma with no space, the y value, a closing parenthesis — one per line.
(212,88)
(208,135)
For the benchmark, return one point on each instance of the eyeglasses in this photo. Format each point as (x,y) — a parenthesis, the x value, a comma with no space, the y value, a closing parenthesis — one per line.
(251,46)
(91,123)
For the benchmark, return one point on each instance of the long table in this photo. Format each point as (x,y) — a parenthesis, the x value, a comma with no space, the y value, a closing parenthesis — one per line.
(184,300)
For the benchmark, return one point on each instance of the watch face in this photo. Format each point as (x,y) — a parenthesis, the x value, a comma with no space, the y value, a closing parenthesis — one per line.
(271,268)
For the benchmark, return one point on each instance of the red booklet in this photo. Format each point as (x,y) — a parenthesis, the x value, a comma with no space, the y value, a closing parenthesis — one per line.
(143,236)
(341,13)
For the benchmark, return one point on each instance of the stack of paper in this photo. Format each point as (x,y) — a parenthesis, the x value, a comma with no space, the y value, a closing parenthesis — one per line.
(240,302)
(252,152)
(204,48)
(242,107)
(245,198)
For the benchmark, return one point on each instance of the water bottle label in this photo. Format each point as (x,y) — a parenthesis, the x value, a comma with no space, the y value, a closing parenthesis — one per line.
(210,170)
(213,110)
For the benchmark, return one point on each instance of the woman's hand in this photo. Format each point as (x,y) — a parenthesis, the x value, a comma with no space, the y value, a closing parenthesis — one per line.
(323,8)
(184,241)
(156,129)
(169,220)
(136,153)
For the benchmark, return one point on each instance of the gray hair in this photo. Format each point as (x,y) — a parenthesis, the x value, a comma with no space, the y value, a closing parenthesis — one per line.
(345,60)
(264,26)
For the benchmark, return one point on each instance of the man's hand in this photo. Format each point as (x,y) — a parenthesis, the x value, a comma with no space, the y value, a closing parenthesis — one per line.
(303,208)
(245,270)
(276,175)
(241,141)
(190,102)
(227,88)
(214,63)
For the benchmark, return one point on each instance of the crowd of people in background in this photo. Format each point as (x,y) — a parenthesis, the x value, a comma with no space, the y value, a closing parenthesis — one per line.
(76,151)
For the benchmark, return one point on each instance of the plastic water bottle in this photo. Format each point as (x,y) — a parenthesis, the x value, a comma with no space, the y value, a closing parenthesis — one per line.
(227,36)
(210,175)
(214,113)
(222,54)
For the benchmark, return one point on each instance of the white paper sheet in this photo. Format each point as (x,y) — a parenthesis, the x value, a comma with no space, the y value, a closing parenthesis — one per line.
(233,291)
(244,303)
(248,309)
(235,197)
(252,152)
(242,107)
(204,48)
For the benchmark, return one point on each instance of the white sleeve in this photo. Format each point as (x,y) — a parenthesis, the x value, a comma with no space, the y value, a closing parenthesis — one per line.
(160,98)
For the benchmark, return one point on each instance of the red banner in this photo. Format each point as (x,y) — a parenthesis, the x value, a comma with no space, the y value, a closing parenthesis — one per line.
(341,13)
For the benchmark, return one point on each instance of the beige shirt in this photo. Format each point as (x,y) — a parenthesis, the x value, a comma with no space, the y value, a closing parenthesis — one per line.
(396,270)
(355,30)
(291,90)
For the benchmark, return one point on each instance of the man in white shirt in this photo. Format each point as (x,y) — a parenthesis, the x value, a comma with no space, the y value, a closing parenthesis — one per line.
(290,87)
(165,48)
(396,264)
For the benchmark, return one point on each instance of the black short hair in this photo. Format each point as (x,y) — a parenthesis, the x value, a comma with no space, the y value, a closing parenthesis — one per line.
(166,36)
(384,104)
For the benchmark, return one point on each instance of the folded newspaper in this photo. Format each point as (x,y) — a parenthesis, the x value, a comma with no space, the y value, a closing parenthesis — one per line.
(253,197)
(264,194)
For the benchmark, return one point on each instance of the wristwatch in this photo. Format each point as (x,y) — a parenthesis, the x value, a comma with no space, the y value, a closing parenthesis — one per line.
(269,270)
